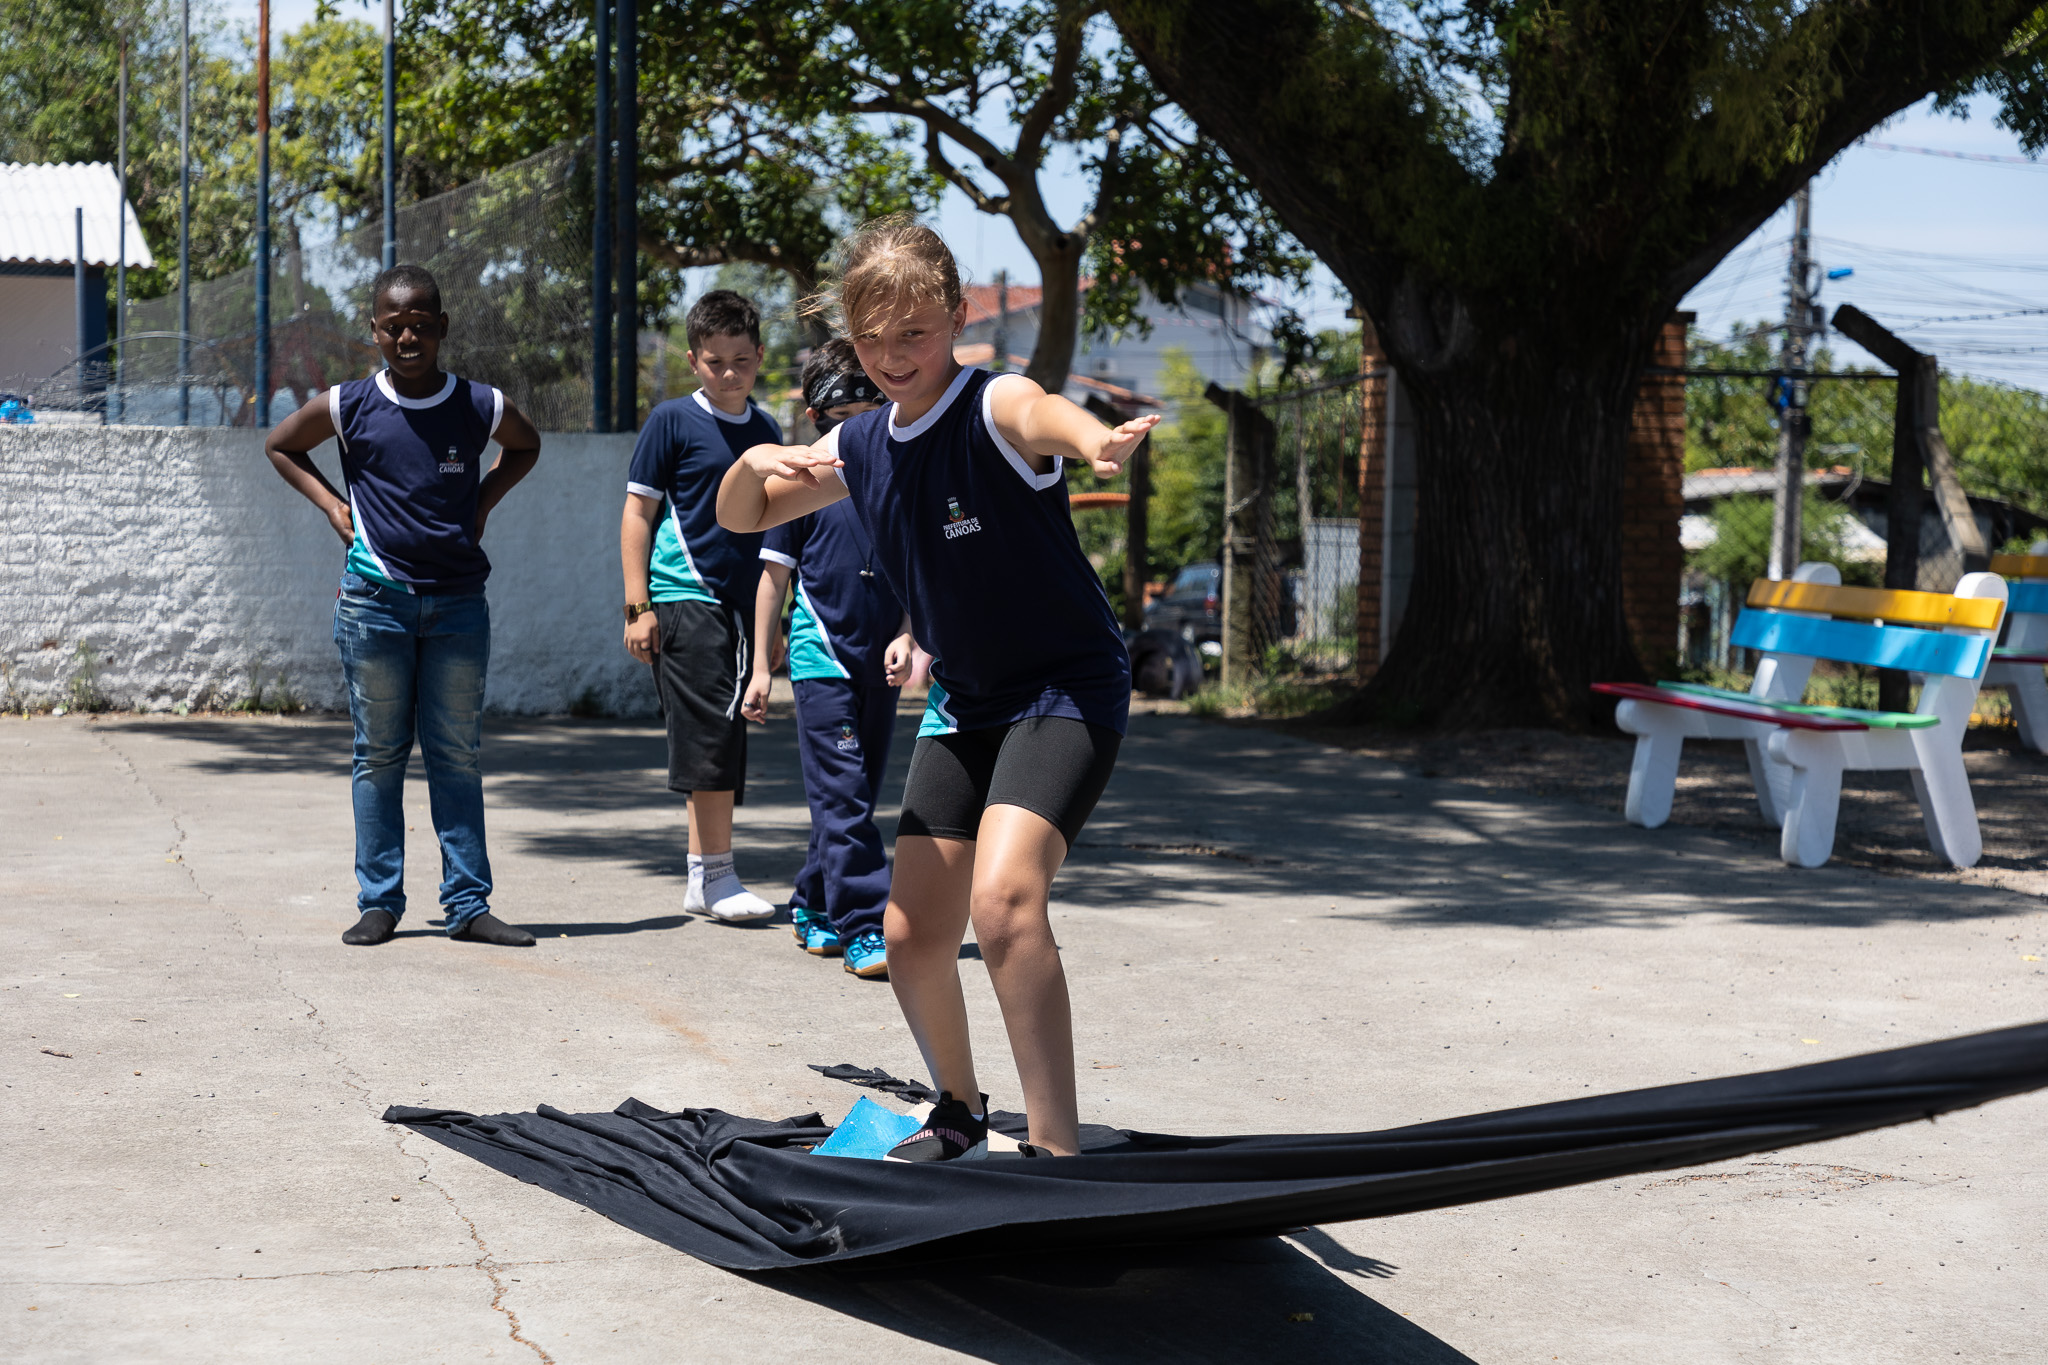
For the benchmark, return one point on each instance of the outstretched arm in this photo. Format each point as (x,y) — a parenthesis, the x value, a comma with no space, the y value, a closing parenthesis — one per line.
(1046,426)
(772,484)
(287,445)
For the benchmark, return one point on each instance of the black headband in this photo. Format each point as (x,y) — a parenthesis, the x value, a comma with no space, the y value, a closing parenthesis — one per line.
(832,390)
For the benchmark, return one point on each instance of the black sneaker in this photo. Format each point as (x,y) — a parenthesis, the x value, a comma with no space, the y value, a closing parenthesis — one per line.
(950,1134)
(375,927)
(488,928)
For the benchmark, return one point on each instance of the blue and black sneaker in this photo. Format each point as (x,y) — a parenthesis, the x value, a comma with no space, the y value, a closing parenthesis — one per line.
(867,956)
(801,920)
(822,940)
(951,1133)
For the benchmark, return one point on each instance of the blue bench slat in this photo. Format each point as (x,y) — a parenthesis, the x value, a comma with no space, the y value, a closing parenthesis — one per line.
(2031,597)
(1920,651)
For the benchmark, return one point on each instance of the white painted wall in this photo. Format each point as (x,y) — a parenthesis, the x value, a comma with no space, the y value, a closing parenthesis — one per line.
(186,563)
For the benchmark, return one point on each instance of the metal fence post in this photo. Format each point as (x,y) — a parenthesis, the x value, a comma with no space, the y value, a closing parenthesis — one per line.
(1247,531)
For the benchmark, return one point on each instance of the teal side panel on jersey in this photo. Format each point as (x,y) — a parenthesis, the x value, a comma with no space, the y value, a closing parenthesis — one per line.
(937,719)
(810,648)
(363,562)
(671,576)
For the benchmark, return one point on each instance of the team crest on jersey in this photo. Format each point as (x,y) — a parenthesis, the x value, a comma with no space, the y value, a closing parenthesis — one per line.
(846,743)
(958,523)
(454,462)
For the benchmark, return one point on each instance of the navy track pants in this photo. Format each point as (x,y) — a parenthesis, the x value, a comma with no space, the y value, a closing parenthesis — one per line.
(843,736)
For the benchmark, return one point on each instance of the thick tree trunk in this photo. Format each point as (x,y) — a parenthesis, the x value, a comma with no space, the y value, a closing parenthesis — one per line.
(1059,307)
(1516,604)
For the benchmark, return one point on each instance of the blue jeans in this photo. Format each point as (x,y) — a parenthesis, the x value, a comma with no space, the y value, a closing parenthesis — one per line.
(416,663)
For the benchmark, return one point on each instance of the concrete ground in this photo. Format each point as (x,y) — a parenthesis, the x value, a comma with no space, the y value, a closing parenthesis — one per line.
(1262,935)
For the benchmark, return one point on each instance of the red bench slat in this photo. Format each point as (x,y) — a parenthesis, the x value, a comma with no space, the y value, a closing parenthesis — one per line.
(1790,720)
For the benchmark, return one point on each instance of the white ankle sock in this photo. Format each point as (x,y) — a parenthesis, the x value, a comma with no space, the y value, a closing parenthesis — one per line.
(716,887)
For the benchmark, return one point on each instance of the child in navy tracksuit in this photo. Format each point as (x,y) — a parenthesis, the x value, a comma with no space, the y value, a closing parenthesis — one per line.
(848,654)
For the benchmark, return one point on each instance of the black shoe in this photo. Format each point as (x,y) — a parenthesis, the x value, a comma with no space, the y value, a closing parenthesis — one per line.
(375,927)
(488,928)
(950,1134)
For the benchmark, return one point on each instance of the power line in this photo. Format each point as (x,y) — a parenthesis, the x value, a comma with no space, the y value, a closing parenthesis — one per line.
(1986,157)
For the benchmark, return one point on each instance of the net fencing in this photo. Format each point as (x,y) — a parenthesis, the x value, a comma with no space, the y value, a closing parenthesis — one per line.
(511,252)
(1292,522)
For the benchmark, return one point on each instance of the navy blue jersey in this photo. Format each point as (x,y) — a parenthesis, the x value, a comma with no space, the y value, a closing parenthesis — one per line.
(682,454)
(413,467)
(842,622)
(982,550)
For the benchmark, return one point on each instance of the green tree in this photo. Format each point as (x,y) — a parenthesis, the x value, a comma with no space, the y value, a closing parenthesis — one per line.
(1518,193)
(768,130)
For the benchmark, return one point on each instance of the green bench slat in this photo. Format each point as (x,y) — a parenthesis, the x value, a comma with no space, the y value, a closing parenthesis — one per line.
(1876,720)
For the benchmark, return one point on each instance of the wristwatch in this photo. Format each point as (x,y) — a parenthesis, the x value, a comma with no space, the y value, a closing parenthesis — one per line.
(636,610)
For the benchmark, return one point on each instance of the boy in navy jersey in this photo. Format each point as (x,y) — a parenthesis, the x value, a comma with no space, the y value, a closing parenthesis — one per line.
(959,487)
(690,588)
(411,619)
(849,648)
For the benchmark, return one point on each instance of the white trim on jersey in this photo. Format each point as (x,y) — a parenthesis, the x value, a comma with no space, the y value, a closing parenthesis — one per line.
(720,413)
(777,557)
(938,410)
(334,412)
(1038,482)
(497,416)
(384,387)
(644,491)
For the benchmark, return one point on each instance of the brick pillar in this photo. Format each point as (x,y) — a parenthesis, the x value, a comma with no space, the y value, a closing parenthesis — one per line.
(1652,563)
(1372,494)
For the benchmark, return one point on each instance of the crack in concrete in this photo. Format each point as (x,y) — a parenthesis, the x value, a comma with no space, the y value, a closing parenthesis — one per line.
(352,1078)
(257,1279)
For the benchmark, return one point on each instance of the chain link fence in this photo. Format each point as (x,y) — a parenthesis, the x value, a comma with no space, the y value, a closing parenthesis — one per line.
(1291,525)
(511,252)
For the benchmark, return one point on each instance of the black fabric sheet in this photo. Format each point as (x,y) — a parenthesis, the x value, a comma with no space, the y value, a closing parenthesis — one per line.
(747,1195)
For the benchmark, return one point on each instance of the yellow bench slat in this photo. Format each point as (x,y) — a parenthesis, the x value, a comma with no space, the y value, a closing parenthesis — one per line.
(2020,566)
(1893,606)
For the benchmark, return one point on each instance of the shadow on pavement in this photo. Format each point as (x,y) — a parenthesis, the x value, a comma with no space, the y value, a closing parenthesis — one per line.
(1240,1300)
(1211,809)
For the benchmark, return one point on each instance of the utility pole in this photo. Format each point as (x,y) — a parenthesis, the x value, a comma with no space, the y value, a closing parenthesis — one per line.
(78,298)
(999,358)
(115,413)
(263,215)
(1786,531)
(390,139)
(185,213)
(626,259)
(601,229)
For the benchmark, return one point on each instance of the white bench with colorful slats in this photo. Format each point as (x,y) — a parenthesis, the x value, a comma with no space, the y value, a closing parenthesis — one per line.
(2016,665)
(1798,753)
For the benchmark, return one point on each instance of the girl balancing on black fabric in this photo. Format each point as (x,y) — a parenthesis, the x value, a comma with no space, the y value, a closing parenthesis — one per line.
(959,486)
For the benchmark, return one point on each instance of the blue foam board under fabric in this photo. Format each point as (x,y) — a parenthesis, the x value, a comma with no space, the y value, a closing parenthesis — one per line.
(868,1131)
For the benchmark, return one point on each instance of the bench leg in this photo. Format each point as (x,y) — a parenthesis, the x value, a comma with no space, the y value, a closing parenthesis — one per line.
(1652,777)
(1943,786)
(1815,797)
(1773,782)
(2029,693)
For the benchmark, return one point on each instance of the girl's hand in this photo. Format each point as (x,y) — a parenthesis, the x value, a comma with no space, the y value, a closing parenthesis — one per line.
(896,660)
(1118,444)
(799,464)
(344,522)
(755,704)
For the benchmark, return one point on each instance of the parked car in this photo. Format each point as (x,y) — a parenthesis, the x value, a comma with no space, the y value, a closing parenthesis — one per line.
(1192,607)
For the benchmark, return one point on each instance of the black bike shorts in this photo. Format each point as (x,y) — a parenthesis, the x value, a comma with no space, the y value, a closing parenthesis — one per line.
(1052,766)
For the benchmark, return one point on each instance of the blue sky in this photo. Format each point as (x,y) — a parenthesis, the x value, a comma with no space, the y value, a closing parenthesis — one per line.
(1928,238)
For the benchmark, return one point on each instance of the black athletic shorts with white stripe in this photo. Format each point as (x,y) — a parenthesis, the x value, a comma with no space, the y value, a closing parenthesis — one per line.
(1053,766)
(700,676)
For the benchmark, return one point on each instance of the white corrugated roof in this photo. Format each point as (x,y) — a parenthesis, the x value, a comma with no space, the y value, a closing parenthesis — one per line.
(36,207)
